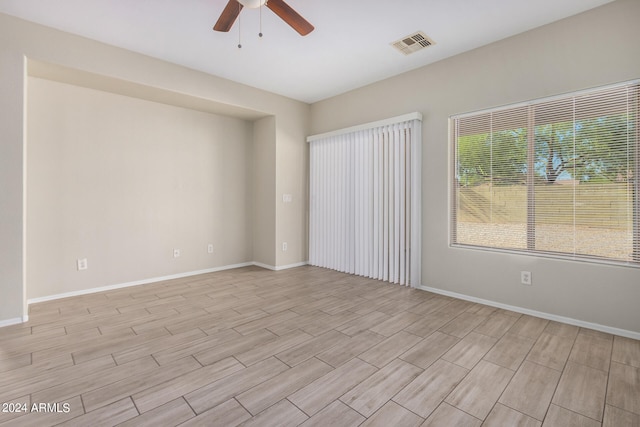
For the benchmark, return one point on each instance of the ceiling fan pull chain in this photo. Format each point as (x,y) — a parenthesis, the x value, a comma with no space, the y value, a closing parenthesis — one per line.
(239,27)
(260,33)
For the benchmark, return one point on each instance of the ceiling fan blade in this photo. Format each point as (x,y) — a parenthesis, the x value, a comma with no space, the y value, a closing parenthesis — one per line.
(228,16)
(290,16)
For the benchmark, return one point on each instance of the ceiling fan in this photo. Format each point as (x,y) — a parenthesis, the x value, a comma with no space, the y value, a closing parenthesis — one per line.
(279,7)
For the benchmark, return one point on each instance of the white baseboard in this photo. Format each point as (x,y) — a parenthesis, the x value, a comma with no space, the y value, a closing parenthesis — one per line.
(136,283)
(602,328)
(280,267)
(160,279)
(261,265)
(14,321)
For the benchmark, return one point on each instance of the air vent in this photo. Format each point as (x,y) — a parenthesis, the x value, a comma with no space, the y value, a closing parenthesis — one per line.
(413,43)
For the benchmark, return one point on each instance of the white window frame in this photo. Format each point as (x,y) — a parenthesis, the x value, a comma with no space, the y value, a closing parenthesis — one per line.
(634,263)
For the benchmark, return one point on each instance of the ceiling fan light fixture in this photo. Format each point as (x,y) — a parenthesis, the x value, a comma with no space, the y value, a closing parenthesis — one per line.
(252,4)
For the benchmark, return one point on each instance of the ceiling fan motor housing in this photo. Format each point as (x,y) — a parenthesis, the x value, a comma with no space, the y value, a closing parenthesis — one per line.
(252,4)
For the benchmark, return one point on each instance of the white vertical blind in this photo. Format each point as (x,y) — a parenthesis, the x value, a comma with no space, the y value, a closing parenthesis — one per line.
(365,200)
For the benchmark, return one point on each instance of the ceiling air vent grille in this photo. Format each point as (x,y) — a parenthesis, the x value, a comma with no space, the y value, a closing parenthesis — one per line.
(413,43)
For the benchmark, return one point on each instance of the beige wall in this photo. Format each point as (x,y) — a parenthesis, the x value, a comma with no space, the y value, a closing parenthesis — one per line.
(20,40)
(123,181)
(291,179)
(12,303)
(264,191)
(591,49)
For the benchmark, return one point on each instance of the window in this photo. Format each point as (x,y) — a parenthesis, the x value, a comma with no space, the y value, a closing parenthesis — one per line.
(556,176)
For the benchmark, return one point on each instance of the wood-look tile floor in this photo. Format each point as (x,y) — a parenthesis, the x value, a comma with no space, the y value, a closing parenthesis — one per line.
(311,347)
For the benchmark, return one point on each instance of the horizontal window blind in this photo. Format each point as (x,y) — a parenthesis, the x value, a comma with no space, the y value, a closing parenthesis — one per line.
(557,176)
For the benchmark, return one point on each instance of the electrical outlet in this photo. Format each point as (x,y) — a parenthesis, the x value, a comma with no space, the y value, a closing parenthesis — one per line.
(284,246)
(525,278)
(176,253)
(210,248)
(82,264)
(287,198)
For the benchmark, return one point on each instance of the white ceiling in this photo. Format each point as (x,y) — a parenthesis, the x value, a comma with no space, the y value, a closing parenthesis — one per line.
(349,48)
